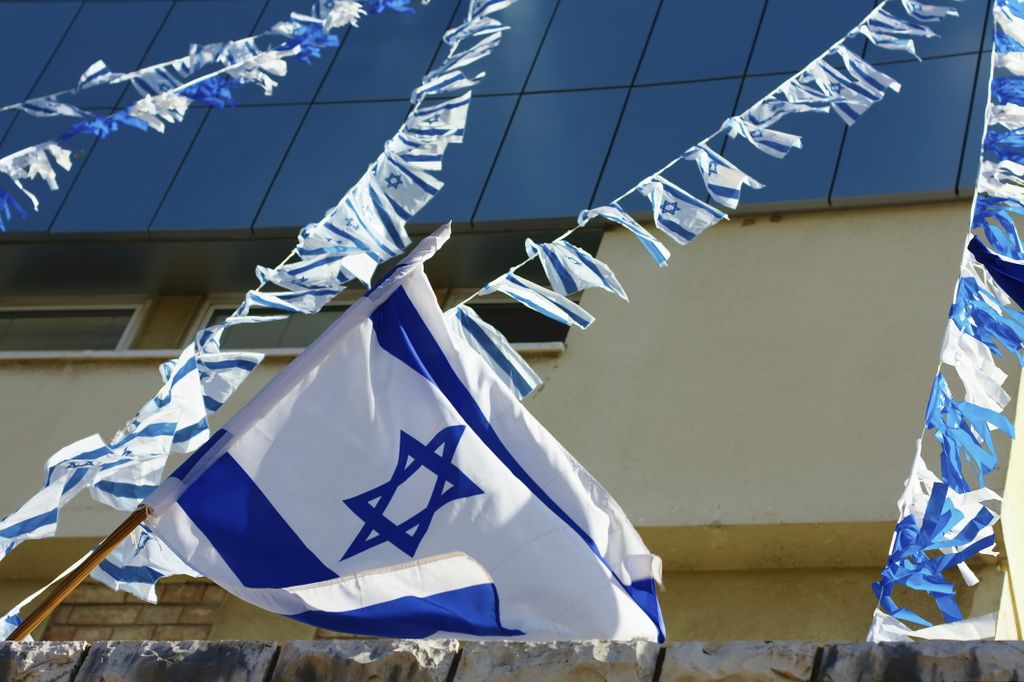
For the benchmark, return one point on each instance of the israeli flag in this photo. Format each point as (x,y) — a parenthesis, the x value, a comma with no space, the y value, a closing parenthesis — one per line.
(571,269)
(495,350)
(538,299)
(406,188)
(722,179)
(387,483)
(615,214)
(677,213)
(772,142)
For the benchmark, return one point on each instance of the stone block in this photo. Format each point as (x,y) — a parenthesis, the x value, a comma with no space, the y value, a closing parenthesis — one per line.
(119,614)
(132,632)
(366,660)
(94,593)
(553,661)
(159,615)
(198,615)
(933,661)
(213,595)
(92,633)
(181,632)
(40,661)
(177,661)
(738,661)
(59,632)
(183,593)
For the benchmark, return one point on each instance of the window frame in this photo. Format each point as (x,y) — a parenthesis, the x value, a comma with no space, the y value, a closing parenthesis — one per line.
(124,342)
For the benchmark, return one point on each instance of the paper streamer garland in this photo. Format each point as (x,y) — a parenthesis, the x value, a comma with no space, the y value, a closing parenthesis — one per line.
(168,89)
(366,227)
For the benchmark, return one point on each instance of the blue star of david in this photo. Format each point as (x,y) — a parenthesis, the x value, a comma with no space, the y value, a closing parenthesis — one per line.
(393,180)
(434,119)
(349,222)
(712,167)
(451,484)
(670,207)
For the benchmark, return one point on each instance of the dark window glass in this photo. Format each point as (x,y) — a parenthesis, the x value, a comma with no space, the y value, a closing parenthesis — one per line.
(520,324)
(119,33)
(331,152)
(229,169)
(295,331)
(696,39)
(124,179)
(660,123)
(592,44)
(796,31)
(910,144)
(29,330)
(972,151)
(29,32)
(552,155)
(386,57)
(466,164)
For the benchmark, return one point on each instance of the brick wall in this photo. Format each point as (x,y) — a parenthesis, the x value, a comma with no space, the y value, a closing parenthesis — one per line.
(186,610)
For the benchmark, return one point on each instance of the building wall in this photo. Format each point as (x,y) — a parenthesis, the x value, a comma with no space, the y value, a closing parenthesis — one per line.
(754,410)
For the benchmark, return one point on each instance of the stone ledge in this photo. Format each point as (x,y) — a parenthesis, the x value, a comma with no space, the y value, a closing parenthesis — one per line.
(441,660)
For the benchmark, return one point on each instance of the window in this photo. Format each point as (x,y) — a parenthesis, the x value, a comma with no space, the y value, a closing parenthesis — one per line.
(66,329)
(295,331)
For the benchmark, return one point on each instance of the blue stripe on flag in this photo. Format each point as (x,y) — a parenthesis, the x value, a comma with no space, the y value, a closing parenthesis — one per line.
(470,610)
(240,522)
(523,387)
(30,524)
(126,490)
(402,332)
(130,574)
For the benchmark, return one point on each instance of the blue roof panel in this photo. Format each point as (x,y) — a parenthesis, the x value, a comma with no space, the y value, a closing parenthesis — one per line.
(28,35)
(228,170)
(119,33)
(685,44)
(910,143)
(795,31)
(549,163)
(331,151)
(115,190)
(575,53)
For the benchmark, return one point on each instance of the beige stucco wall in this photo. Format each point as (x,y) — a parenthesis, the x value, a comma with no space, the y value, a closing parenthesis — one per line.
(776,373)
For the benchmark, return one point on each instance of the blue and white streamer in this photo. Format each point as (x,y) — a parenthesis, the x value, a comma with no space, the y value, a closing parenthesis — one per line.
(138,563)
(677,213)
(541,300)
(495,349)
(570,269)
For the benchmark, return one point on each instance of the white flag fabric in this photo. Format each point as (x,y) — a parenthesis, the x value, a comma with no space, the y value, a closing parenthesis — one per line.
(571,269)
(495,350)
(388,483)
(722,179)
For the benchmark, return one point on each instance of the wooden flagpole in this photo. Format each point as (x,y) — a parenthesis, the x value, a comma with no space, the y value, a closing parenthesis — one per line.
(67,586)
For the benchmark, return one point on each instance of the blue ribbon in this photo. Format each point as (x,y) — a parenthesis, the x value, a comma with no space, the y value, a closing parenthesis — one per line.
(381,6)
(962,430)
(978,313)
(310,38)
(1003,237)
(103,126)
(8,207)
(910,565)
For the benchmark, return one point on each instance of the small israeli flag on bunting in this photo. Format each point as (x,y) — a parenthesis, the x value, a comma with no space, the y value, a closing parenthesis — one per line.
(407,189)
(570,269)
(772,142)
(928,13)
(495,350)
(138,563)
(891,33)
(541,300)
(431,505)
(722,179)
(676,212)
(615,214)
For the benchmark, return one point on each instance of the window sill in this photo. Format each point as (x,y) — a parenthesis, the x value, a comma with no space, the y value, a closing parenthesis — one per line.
(529,350)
